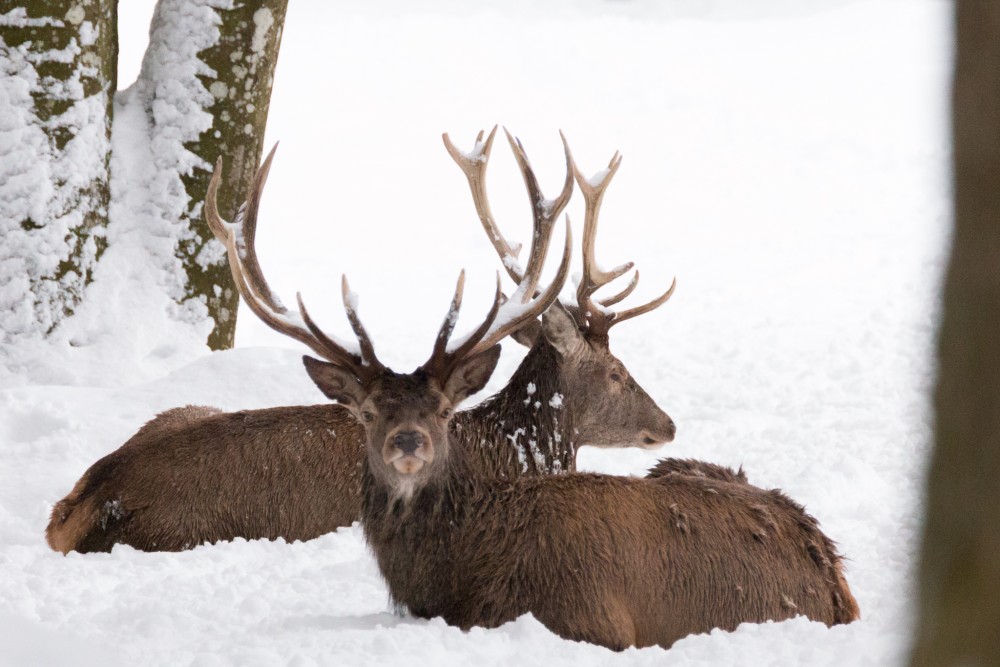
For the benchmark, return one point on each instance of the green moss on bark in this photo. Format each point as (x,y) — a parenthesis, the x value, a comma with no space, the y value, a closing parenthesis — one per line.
(244,60)
(61,53)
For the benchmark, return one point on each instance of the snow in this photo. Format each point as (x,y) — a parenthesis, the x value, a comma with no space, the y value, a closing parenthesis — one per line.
(786,160)
(44,192)
(263,19)
(598,178)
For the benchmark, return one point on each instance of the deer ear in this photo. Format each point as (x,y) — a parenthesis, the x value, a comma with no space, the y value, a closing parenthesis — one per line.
(528,334)
(335,382)
(560,329)
(471,375)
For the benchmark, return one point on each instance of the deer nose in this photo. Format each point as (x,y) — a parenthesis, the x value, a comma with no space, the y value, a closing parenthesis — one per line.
(408,441)
(660,436)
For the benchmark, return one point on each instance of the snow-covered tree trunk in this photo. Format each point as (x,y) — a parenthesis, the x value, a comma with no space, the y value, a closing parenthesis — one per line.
(72,183)
(960,564)
(58,63)
(206,87)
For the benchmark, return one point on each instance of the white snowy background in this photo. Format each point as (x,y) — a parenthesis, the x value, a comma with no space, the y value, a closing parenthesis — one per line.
(787,161)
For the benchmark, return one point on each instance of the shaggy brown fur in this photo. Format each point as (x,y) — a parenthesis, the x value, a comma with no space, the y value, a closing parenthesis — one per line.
(696,468)
(614,561)
(609,560)
(194,475)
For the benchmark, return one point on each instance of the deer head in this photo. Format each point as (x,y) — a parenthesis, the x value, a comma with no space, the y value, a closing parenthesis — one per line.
(610,408)
(405,415)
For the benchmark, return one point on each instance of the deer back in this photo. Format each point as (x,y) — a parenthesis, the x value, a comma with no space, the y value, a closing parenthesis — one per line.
(193,475)
(614,561)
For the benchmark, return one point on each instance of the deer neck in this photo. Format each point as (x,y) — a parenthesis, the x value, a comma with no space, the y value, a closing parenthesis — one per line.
(525,428)
(413,538)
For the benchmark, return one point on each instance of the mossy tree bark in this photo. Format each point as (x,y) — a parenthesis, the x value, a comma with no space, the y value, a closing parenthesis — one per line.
(243,61)
(58,62)
(204,91)
(960,561)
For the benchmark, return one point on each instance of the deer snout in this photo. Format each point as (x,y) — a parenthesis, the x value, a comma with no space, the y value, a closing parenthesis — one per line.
(651,439)
(408,441)
(408,449)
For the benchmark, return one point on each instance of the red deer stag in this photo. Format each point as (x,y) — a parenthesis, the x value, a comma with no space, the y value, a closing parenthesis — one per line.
(195,474)
(569,390)
(592,384)
(609,560)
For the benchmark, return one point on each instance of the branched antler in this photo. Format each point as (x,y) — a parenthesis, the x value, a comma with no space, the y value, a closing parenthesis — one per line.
(544,211)
(502,320)
(239,239)
(595,318)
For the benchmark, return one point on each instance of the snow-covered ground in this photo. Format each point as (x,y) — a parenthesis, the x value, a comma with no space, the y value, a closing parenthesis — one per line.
(787,161)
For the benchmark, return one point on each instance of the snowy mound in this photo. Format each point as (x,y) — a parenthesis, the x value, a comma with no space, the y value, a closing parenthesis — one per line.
(788,166)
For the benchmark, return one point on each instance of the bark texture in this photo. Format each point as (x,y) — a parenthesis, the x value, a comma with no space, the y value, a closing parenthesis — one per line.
(959,620)
(243,62)
(58,63)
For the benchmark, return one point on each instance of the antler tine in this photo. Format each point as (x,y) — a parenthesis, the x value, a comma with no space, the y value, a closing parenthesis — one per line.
(442,361)
(215,223)
(331,350)
(477,341)
(248,216)
(593,316)
(448,326)
(287,322)
(249,278)
(473,165)
(368,357)
(276,319)
(593,194)
(544,212)
(612,300)
(617,318)
(245,227)
(524,313)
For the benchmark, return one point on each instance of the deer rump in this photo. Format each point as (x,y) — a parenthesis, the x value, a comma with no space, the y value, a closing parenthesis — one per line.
(193,475)
(614,561)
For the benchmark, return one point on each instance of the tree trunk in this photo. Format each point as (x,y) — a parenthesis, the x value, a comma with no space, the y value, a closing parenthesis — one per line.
(58,63)
(959,620)
(233,78)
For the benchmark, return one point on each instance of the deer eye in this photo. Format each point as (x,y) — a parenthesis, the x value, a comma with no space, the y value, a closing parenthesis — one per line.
(367,416)
(616,377)
(445,413)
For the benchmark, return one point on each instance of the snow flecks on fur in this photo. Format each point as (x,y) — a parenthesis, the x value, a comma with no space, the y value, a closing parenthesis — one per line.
(515,441)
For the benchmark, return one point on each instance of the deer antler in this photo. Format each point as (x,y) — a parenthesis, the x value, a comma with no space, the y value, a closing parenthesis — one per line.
(502,320)
(544,211)
(595,318)
(239,239)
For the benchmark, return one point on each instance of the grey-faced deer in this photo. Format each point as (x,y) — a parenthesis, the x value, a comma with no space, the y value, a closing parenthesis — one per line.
(193,475)
(599,402)
(569,390)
